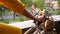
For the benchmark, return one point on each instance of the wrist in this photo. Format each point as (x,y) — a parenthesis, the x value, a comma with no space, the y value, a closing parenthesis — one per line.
(36,19)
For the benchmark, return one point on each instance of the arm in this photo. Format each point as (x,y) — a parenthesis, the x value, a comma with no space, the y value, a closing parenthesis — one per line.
(27,14)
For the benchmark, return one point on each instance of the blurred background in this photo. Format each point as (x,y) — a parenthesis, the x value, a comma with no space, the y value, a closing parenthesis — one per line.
(7,15)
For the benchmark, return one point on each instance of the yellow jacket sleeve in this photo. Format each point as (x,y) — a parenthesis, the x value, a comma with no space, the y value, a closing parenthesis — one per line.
(8,29)
(14,5)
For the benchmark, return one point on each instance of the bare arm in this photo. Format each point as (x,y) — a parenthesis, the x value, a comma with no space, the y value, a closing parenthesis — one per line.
(27,14)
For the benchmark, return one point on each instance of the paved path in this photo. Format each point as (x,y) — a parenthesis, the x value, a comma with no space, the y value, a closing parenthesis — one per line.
(10,16)
(24,24)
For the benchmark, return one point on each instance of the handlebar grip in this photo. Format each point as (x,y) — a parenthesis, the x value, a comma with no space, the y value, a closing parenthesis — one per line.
(37,23)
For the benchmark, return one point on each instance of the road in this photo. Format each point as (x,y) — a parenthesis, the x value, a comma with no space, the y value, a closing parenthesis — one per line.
(10,16)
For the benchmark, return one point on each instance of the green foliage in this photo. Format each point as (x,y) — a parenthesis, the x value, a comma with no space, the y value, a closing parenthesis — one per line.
(12,20)
(39,4)
(59,2)
(3,10)
(23,19)
(59,7)
(28,3)
(53,12)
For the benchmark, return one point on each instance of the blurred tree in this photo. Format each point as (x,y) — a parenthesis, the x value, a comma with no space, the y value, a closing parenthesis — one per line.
(14,15)
(2,11)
